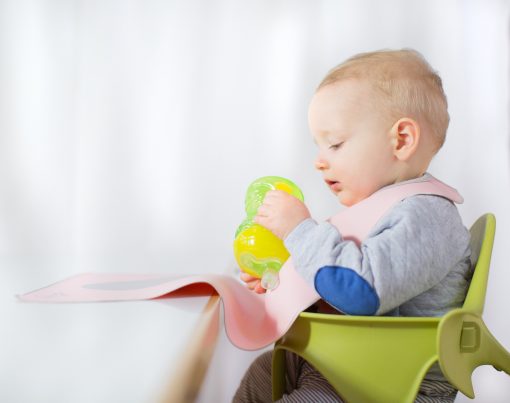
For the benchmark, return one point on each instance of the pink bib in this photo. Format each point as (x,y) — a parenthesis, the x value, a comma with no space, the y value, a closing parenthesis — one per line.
(252,321)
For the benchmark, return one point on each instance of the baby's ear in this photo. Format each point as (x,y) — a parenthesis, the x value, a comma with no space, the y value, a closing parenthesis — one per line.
(405,137)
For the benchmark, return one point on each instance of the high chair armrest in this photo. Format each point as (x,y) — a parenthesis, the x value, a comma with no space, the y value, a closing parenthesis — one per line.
(390,354)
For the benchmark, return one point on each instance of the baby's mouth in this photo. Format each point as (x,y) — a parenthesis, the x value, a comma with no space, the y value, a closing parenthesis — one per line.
(333,185)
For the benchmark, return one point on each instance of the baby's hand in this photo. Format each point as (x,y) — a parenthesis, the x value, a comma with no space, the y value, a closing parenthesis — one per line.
(281,212)
(253,283)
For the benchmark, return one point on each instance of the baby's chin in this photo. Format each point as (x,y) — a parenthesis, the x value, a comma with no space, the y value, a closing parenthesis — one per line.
(343,199)
(346,199)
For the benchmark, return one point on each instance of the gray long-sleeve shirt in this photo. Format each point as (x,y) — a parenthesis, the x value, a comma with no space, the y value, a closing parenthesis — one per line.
(414,262)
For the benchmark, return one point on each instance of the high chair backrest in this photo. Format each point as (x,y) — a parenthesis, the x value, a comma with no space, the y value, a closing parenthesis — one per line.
(482,239)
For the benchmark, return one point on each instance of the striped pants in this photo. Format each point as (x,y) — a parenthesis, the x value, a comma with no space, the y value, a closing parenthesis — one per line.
(306,385)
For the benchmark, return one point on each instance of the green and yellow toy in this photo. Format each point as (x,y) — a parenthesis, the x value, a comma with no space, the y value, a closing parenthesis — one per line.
(257,250)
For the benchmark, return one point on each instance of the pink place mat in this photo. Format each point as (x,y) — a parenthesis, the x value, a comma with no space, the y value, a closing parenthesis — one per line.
(252,321)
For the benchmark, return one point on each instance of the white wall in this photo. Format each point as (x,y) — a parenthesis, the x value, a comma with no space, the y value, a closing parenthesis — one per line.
(129,130)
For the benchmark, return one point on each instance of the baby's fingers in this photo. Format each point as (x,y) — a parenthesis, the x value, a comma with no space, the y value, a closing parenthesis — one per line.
(253,283)
(273,195)
(258,288)
(247,277)
(264,211)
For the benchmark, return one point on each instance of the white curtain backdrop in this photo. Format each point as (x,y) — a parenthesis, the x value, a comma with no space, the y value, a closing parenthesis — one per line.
(129,131)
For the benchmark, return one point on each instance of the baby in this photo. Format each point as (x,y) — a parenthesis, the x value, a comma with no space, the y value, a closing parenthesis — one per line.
(377,120)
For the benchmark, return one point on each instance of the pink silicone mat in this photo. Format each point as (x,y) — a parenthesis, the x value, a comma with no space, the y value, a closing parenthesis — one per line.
(252,321)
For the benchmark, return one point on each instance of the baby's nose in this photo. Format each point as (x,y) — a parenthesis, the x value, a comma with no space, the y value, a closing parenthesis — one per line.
(320,164)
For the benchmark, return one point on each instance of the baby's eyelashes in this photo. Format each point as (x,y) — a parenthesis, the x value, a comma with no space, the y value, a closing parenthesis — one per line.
(336,146)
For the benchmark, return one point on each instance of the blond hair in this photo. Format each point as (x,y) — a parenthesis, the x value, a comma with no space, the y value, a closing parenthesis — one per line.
(408,86)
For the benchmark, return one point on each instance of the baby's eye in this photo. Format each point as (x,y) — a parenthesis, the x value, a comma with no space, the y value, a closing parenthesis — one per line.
(336,146)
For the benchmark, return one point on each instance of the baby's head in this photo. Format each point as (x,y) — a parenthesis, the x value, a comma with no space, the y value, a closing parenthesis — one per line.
(378,118)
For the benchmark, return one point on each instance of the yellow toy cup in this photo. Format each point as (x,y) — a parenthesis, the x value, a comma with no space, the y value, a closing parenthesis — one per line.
(257,250)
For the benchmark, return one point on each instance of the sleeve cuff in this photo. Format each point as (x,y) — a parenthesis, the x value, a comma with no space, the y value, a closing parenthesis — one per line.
(297,235)
(297,244)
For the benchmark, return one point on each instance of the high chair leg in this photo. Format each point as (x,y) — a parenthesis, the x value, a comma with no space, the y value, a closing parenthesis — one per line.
(496,354)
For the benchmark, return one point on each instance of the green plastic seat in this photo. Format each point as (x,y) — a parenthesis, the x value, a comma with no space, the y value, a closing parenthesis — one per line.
(384,359)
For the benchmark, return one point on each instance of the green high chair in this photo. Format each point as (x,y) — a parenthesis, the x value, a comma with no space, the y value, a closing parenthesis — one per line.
(384,359)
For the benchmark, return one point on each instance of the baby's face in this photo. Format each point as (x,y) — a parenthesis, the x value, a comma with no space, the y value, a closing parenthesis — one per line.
(355,153)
